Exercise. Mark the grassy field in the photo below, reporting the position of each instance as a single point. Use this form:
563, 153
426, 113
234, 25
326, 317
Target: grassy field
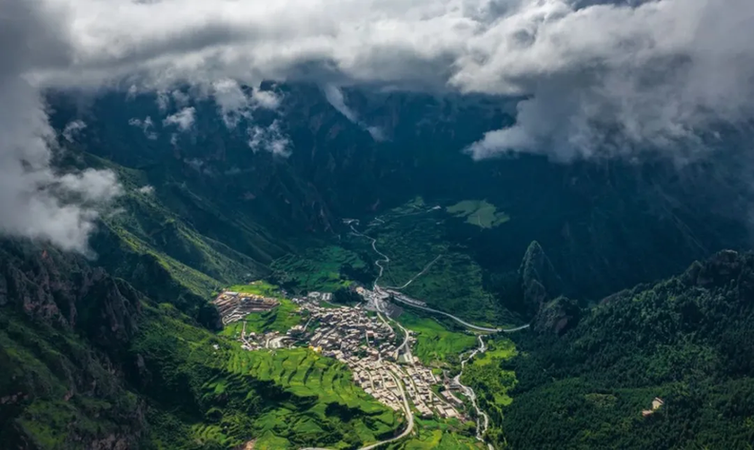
306, 374
197, 282
500, 349
442, 435
435, 344
488, 379
281, 318
220, 396
412, 238
321, 269
258, 287
479, 213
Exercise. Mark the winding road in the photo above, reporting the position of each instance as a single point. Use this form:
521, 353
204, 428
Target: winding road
409, 301
409, 417
483, 419
379, 262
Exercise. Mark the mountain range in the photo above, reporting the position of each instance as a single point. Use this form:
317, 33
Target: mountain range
118, 349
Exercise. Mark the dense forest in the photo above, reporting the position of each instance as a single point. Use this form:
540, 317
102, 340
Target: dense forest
120, 351
688, 341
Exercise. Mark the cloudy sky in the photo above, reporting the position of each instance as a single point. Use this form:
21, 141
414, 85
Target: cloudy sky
599, 79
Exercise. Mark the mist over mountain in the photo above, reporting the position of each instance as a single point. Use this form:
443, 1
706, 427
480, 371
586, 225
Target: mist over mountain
576, 170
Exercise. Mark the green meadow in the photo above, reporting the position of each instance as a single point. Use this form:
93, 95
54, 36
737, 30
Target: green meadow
412, 236
320, 269
259, 287
489, 379
479, 213
436, 344
434, 434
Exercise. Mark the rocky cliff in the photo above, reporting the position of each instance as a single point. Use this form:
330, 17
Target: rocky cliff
63, 339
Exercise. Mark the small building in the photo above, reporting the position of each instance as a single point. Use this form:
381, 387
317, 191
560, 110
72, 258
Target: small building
656, 404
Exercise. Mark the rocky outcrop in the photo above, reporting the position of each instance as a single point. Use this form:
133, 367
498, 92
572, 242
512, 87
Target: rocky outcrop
557, 316
64, 290
539, 281
65, 328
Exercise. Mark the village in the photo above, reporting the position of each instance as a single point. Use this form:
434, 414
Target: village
234, 306
363, 339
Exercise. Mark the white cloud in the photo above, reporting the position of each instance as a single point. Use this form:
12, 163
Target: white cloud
264, 99
183, 119
180, 99
37, 201
231, 100
145, 125
163, 101
72, 129
653, 73
334, 96
146, 190
378, 134
611, 80
234, 104
598, 80
270, 139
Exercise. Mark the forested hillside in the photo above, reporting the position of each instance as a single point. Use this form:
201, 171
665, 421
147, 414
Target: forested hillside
688, 340
221, 208
90, 362
117, 350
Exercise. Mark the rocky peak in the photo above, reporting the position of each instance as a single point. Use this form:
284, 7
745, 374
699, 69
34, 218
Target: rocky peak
540, 282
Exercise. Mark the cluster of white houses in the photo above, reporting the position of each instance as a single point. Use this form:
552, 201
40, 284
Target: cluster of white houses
364, 342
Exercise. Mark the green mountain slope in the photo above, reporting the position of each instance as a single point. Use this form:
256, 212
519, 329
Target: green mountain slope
606, 225
688, 340
119, 352
90, 362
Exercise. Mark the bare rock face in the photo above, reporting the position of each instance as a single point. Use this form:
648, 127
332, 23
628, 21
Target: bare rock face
557, 316
66, 328
539, 281
63, 290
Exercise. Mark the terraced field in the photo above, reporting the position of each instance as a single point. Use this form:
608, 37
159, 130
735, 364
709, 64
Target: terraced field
281, 318
216, 395
325, 386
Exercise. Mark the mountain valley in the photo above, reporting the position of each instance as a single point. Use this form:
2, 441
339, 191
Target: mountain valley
123, 348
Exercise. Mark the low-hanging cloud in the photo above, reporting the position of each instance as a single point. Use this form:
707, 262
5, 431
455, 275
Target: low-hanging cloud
146, 125
234, 104
611, 80
595, 78
38, 202
270, 139
72, 130
183, 119
334, 96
